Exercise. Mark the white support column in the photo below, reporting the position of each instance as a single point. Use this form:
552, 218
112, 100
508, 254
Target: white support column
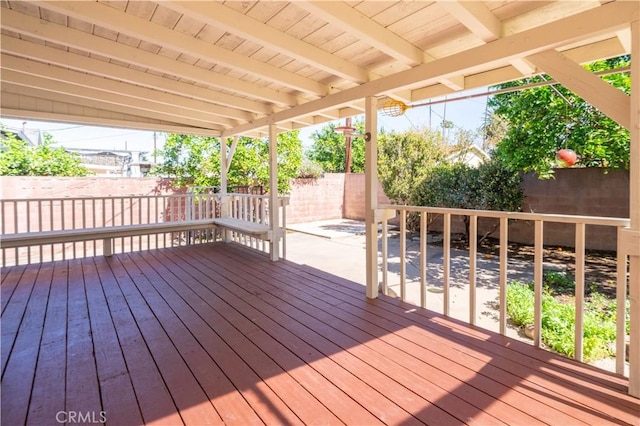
634, 212
224, 168
371, 194
274, 216
224, 199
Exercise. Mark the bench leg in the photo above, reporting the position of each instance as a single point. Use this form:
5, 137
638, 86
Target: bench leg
107, 247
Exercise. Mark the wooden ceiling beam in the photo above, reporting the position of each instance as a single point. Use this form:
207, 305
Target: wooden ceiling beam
476, 17
49, 31
607, 18
130, 94
237, 106
223, 17
115, 20
611, 101
354, 22
57, 96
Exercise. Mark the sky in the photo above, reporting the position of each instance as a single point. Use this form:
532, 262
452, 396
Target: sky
466, 114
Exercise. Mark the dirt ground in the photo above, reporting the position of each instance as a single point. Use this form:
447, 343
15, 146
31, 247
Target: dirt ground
600, 266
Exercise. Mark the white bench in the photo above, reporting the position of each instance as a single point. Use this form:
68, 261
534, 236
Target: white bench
107, 233
252, 229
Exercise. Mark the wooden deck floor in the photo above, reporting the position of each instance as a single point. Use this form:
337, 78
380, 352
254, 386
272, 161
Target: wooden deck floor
216, 334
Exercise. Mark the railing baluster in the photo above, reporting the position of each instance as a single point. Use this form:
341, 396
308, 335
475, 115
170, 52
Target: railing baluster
504, 252
473, 266
537, 280
446, 264
385, 254
621, 310
579, 301
423, 259
403, 255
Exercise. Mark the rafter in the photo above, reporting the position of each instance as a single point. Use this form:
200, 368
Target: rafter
56, 93
15, 21
115, 20
223, 17
482, 58
476, 17
367, 30
101, 118
129, 93
611, 101
85, 64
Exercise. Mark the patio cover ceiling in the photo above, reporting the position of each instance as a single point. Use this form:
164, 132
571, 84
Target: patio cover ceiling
227, 68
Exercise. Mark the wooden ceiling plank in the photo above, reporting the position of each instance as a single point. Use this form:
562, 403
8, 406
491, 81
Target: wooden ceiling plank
58, 96
476, 17
611, 101
342, 15
193, 108
130, 75
234, 22
131, 25
607, 18
93, 44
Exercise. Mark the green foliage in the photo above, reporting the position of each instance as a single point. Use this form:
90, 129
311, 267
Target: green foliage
404, 160
309, 169
195, 161
491, 186
18, 158
545, 119
329, 150
558, 320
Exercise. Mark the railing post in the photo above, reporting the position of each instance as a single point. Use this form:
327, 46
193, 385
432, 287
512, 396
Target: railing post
634, 212
371, 194
579, 301
274, 246
537, 280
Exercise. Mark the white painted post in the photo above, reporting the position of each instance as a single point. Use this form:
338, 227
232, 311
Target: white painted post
634, 211
225, 159
274, 245
371, 194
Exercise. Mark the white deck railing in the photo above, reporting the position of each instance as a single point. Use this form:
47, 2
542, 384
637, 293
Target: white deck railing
539, 220
253, 208
33, 216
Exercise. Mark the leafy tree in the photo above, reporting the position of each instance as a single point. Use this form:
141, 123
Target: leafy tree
545, 119
404, 159
195, 161
19, 158
328, 149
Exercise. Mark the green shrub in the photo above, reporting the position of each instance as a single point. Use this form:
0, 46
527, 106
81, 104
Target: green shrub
558, 321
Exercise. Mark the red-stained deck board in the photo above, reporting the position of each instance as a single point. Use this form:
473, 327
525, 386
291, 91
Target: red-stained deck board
292, 353
188, 396
20, 370
306, 314
48, 395
9, 283
194, 337
305, 406
116, 389
214, 334
82, 391
152, 395
595, 404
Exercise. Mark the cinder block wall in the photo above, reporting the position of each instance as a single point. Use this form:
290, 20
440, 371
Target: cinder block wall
316, 199
354, 196
579, 191
54, 187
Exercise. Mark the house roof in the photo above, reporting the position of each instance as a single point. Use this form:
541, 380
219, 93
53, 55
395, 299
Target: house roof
227, 68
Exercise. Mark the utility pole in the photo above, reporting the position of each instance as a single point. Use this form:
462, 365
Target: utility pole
347, 156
